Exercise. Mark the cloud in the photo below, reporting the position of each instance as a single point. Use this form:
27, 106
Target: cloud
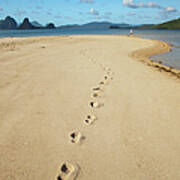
1, 9
94, 12
132, 4
154, 5
164, 12
169, 10
87, 1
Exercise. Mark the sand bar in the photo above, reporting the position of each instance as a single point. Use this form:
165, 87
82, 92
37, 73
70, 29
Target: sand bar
129, 130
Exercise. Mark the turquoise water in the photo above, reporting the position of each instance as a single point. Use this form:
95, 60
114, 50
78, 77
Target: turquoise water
170, 36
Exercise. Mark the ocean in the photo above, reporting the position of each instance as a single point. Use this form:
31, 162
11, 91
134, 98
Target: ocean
171, 36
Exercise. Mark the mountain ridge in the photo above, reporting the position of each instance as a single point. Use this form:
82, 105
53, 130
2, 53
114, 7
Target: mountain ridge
10, 23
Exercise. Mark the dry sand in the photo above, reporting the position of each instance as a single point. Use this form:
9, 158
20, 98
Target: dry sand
52, 111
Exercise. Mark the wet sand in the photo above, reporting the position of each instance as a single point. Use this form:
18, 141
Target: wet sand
86, 108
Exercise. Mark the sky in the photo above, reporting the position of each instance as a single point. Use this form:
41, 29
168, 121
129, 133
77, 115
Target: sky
62, 12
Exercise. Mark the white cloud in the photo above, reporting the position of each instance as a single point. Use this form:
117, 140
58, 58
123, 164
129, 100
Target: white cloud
129, 3
165, 12
154, 5
170, 10
94, 12
132, 4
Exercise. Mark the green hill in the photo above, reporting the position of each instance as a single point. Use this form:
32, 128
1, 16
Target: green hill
173, 24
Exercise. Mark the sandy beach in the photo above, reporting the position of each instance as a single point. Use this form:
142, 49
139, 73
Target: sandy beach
87, 108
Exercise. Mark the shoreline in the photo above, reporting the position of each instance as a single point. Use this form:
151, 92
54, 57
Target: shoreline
160, 47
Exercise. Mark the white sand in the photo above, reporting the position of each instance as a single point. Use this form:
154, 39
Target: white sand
45, 89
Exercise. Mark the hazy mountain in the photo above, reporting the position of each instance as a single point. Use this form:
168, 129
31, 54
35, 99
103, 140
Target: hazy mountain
26, 24
95, 25
36, 24
50, 26
70, 26
8, 23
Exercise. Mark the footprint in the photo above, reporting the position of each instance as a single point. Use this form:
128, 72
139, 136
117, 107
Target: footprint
110, 74
95, 104
105, 82
96, 88
95, 95
102, 83
77, 137
90, 119
105, 77
68, 171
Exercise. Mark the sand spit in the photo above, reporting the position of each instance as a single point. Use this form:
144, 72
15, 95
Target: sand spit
81, 108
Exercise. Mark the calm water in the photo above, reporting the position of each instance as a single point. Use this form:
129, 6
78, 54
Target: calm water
171, 36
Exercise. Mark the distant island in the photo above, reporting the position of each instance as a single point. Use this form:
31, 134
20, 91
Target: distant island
10, 23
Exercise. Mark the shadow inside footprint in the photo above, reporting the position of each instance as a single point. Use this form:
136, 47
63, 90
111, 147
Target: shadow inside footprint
102, 83
105, 77
95, 95
105, 82
90, 119
68, 171
93, 104
96, 89
76, 137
